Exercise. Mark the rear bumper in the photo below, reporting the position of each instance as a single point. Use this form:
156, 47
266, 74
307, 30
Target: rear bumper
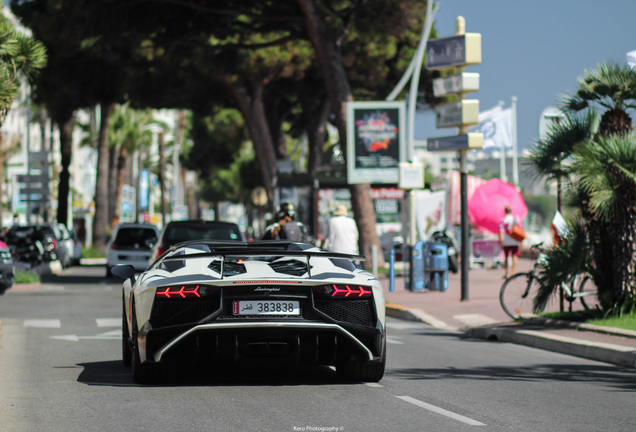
279, 341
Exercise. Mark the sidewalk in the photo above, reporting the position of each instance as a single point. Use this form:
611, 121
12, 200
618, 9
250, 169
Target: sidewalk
481, 316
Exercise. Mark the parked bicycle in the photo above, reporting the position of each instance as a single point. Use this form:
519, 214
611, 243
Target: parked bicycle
519, 290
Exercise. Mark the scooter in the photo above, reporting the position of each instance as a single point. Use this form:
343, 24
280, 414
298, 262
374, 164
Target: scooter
442, 237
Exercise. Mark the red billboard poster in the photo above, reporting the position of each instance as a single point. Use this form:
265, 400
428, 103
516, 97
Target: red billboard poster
376, 141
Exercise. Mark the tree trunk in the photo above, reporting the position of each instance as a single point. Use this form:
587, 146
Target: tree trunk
162, 177
100, 220
119, 186
250, 104
318, 113
337, 85
66, 124
112, 182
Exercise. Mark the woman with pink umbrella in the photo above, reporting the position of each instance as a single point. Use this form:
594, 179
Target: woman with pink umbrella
510, 246
493, 202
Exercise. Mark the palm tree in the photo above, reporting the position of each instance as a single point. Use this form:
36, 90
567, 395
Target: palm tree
550, 155
611, 86
605, 169
128, 134
601, 169
20, 55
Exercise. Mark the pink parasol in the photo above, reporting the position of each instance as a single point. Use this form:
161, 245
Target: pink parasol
486, 206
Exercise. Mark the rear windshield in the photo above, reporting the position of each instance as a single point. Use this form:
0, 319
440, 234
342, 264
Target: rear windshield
179, 234
131, 236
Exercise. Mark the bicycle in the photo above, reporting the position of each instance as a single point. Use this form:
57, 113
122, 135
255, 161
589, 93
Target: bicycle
518, 291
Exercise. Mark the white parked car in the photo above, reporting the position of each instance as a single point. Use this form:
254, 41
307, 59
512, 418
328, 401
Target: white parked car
131, 244
223, 303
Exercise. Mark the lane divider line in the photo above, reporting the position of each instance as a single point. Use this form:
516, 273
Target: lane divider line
441, 411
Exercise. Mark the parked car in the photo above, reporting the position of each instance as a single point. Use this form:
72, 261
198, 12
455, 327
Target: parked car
66, 242
227, 303
179, 231
131, 244
76, 256
7, 268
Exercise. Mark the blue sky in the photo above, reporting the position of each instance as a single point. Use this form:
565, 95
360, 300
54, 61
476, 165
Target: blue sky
535, 50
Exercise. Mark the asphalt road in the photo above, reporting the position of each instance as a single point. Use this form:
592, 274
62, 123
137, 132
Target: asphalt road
60, 370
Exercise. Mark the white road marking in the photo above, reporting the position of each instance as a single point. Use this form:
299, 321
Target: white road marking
111, 335
475, 319
403, 325
108, 322
394, 340
43, 323
441, 411
372, 384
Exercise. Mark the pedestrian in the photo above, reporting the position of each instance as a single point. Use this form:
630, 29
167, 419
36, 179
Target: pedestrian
510, 246
272, 231
342, 233
291, 230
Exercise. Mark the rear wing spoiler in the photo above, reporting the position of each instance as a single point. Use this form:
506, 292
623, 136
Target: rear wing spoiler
257, 248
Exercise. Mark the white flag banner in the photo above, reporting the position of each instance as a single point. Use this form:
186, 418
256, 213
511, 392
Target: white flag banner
496, 125
631, 59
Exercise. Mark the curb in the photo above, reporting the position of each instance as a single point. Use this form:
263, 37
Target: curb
607, 353
603, 352
412, 314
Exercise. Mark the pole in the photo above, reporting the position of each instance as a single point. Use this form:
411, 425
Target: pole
503, 175
515, 167
463, 169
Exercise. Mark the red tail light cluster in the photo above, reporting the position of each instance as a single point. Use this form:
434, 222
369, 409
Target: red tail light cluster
178, 292
340, 291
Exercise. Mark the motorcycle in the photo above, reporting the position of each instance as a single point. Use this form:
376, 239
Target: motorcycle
444, 238
30, 246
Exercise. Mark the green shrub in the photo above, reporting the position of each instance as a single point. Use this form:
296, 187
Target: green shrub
92, 253
26, 277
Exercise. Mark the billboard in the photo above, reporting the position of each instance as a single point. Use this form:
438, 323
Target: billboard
376, 141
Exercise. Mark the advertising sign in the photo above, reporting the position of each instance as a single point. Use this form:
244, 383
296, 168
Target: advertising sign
376, 141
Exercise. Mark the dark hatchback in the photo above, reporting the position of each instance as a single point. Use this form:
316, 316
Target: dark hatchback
179, 231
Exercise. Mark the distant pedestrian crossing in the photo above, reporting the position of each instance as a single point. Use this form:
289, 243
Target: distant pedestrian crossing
57, 323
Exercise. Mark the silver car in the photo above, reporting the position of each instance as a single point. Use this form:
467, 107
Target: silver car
131, 244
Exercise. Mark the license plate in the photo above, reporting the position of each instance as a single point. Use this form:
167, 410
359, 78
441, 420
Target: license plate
266, 307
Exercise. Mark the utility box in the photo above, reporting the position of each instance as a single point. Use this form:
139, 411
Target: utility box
429, 266
436, 266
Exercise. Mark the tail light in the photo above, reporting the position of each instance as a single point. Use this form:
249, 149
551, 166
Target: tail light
179, 292
114, 246
160, 251
345, 291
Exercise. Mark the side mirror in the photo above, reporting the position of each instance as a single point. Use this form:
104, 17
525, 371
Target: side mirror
124, 271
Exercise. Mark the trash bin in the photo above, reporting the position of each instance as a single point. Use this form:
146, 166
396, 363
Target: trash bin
417, 256
435, 266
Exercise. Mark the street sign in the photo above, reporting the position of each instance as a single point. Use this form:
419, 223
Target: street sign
453, 51
462, 113
457, 84
411, 176
456, 142
33, 178
38, 157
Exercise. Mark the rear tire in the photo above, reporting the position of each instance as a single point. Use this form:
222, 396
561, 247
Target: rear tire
143, 373
513, 298
365, 371
126, 349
